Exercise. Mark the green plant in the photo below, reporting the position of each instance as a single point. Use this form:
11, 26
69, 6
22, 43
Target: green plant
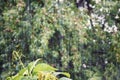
61, 35
39, 71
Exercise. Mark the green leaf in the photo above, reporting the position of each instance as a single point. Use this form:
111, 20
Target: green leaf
95, 78
30, 78
16, 77
43, 67
32, 65
89, 73
23, 72
20, 74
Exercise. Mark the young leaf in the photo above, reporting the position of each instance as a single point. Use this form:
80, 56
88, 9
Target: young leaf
43, 67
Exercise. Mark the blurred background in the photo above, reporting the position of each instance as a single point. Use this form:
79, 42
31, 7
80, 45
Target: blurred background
81, 37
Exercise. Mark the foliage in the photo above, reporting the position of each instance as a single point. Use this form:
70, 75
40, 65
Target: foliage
41, 71
83, 42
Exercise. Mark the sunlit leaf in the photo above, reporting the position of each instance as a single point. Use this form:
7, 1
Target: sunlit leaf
43, 67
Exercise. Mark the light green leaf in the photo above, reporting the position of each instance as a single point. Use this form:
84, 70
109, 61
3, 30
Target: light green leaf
43, 67
32, 65
19, 75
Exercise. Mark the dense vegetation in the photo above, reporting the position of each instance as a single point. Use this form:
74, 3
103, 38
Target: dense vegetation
72, 36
